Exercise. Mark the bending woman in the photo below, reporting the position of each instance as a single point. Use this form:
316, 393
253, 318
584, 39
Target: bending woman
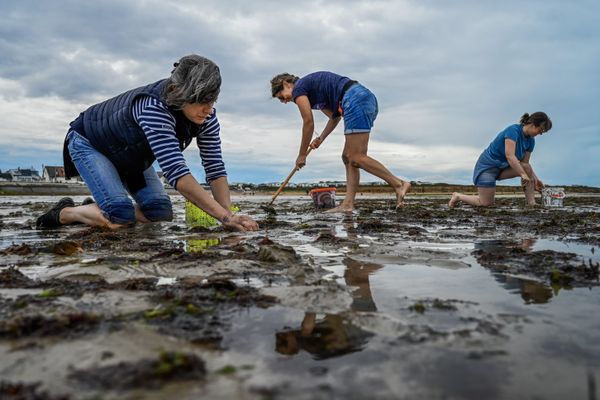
338, 96
508, 157
113, 144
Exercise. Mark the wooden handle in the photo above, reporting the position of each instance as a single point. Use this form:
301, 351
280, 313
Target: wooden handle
287, 180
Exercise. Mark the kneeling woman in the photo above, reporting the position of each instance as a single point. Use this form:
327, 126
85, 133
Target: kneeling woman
508, 157
113, 144
338, 96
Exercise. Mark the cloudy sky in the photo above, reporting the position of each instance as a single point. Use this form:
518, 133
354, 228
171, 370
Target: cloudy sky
448, 76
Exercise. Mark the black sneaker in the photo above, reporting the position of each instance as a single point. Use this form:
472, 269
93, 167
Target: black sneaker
87, 200
51, 218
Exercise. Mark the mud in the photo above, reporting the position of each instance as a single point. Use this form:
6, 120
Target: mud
20, 391
420, 302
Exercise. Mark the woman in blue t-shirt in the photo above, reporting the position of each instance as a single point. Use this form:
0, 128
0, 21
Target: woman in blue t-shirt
508, 157
338, 96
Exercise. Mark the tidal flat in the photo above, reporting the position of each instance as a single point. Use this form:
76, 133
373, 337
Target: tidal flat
425, 302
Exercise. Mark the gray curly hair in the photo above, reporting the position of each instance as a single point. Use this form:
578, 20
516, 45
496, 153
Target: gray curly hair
194, 79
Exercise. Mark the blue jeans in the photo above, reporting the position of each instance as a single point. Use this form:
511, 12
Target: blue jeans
360, 109
110, 192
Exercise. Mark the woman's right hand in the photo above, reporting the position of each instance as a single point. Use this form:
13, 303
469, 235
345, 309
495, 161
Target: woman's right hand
525, 179
300, 161
240, 223
539, 185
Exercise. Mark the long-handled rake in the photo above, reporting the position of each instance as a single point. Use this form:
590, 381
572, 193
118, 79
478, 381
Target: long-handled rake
284, 184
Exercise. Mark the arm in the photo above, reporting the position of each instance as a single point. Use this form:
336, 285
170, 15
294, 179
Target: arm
539, 185
308, 127
513, 161
209, 145
220, 191
331, 125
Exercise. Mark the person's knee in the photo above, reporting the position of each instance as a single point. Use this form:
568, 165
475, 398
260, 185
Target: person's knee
345, 158
486, 202
157, 209
355, 160
118, 211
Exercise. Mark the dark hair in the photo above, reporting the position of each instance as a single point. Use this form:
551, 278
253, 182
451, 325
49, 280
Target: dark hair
538, 118
194, 79
277, 82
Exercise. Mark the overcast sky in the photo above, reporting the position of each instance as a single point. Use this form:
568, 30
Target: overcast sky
448, 75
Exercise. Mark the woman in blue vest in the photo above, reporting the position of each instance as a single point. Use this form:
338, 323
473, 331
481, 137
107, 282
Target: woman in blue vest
338, 96
508, 157
112, 146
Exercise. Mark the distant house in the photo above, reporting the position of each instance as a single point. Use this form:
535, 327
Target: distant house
24, 175
53, 174
5, 176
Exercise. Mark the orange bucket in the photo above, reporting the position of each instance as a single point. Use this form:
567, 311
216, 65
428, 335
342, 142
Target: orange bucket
323, 197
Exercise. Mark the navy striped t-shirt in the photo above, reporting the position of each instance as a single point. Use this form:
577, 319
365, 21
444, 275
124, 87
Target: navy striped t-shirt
158, 124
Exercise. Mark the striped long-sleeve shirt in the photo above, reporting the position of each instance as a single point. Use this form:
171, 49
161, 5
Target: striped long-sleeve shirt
158, 124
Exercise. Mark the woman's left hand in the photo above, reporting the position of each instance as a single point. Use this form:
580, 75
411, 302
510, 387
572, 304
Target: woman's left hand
316, 143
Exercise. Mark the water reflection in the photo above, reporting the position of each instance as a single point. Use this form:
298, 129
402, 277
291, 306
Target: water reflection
199, 245
357, 275
531, 291
334, 334
349, 224
331, 336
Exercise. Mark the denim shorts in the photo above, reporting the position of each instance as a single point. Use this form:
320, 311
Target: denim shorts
360, 109
487, 178
110, 192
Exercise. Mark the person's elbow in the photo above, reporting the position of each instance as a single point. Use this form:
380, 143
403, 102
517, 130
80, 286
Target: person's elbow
181, 184
308, 123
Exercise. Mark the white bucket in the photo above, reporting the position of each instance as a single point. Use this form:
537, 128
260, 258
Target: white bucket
553, 196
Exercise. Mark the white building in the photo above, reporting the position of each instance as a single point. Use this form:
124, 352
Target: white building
24, 175
53, 174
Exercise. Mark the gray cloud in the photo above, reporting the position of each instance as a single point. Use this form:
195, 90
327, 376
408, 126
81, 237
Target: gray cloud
445, 73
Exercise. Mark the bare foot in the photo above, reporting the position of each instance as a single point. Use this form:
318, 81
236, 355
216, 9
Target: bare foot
401, 192
340, 209
453, 200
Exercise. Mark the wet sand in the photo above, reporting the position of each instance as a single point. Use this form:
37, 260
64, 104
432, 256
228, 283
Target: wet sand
427, 302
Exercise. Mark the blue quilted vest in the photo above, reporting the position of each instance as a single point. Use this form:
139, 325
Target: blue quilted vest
112, 130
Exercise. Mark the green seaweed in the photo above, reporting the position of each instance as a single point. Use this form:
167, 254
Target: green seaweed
418, 308
227, 370
50, 293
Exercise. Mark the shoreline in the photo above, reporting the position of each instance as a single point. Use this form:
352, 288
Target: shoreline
74, 189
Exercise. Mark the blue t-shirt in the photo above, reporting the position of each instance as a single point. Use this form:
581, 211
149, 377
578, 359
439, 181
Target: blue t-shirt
495, 155
323, 89
497, 151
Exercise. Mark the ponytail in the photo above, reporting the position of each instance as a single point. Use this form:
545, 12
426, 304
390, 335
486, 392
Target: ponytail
524, 119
